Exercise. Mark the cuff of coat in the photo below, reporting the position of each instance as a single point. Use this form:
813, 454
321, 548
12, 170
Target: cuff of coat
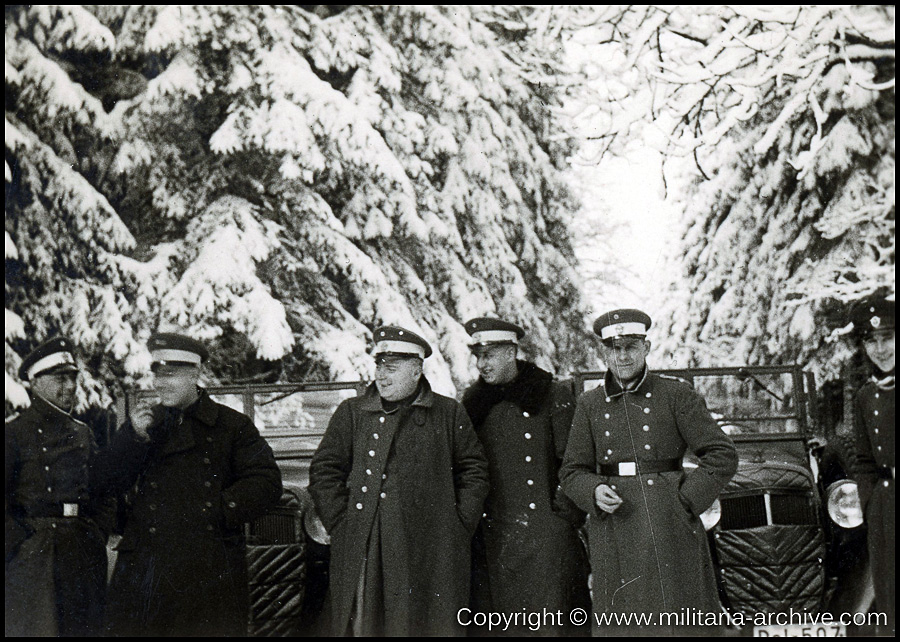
700, 489
580, 490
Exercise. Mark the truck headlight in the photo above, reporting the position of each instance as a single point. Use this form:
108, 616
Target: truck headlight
711, 516
842, 500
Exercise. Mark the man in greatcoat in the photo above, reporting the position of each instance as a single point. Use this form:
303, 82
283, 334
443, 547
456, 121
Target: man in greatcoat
56, 520
195, 471
527, 555
873, 323
399, 480
623, 465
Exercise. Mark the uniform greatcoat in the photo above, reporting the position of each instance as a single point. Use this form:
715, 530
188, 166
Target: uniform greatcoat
528, 554
55, 565
651, 555
400, 493
874, 469
181, 568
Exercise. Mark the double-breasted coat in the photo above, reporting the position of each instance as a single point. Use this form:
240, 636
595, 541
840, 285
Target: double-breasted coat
55, 564
874, 470
651, 555
528, 554
181, 568
400, 493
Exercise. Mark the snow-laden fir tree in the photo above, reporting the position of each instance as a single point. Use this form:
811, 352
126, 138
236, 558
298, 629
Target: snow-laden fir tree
787, 114
278, 181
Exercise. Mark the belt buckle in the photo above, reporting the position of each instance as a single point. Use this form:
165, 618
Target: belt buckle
70, 510
627, 469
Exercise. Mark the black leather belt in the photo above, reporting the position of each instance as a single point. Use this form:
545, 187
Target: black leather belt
631, 468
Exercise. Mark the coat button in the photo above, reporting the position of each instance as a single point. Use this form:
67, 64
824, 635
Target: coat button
368, 471
527, 457
608, 400
152, 529
206, 460
530, 482
40, 432
207, 484
53, 524
646, 428
525, 414
606, 433
381, 419
50, 490
527, 435
876, 413
887, 483
232, 505
375, 435
384, 476
649, 482
609, 452
876, 432
152, 506
364, 489
371, 453
359, 507
532, 506
383, 495
209, 504
646, 446
48, 467
648, 395
44, 449
646, 411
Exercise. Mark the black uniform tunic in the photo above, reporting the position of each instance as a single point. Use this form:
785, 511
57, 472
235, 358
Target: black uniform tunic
55, 564
874, 470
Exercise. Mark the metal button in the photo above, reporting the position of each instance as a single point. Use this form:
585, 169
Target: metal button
530, 482
646, 411
606, 433
384, 476
876, 413
876, 432
152, 529
48, 467
49, 490
609, 452
527, 435
206, 460
527, 457
359, 507
368, 471
646, 446
375, 435
209, 504
152, 506
40, 432
383, 495
606, 415
649, 482
207, 484
648, 395
646, 428
371, 453
613, 486
44, 449
364, 489
887, 483
532, 506
608, 400
525, 414
232, 505
53, 524
381, 419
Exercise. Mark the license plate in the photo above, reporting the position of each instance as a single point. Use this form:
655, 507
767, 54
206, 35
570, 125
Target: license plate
800, 631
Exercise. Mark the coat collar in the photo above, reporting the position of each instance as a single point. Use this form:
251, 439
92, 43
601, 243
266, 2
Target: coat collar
371, 400
181, 437
50, 411
613, 389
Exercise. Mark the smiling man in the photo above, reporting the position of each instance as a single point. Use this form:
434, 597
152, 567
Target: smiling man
649, 552
55, 549
527, 554
399, 480
196, 471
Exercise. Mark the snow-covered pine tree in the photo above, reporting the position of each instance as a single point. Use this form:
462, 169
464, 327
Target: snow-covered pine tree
280, 180
788, 113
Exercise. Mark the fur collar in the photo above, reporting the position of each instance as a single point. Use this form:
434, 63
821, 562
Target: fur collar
529, 390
